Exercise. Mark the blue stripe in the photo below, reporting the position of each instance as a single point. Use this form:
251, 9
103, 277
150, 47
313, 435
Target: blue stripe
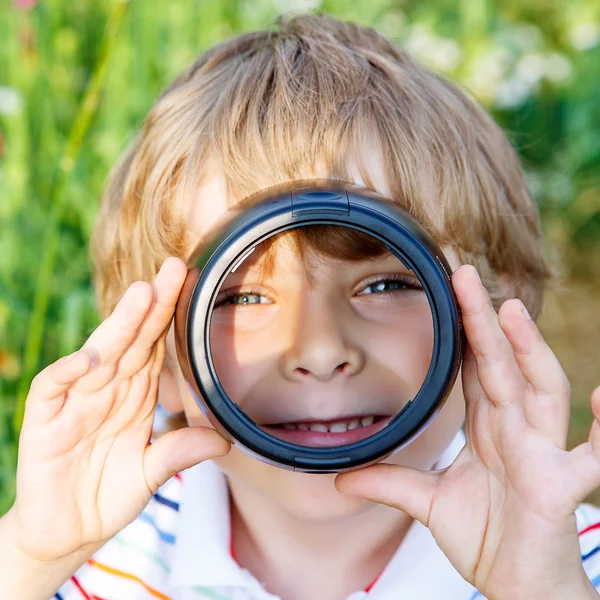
596, 581
162, 500
476, 594
590, 553
58, 596
166, 537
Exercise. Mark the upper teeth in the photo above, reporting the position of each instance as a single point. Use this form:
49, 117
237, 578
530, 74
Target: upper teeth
337, 427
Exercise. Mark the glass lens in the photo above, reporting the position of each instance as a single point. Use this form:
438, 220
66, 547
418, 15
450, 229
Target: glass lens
321, 335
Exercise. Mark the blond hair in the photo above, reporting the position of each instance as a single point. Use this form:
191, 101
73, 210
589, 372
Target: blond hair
304, 99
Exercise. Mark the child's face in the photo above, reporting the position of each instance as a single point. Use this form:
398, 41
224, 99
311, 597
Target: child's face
334, 350
315, 351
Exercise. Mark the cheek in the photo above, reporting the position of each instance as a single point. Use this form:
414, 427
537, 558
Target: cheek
396, 337
401, 342
242, 359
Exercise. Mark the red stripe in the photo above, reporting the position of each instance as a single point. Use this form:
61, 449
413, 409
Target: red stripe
178, 477
589, 528
231, 550
78, 586
368, 588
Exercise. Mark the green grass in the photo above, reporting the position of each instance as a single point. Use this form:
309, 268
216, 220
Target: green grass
77, 78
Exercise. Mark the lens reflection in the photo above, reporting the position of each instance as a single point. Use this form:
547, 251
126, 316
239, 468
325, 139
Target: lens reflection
321, 335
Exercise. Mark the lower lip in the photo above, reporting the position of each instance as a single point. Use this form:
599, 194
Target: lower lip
325, 439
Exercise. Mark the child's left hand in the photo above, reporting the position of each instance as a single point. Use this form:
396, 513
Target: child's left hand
503, 512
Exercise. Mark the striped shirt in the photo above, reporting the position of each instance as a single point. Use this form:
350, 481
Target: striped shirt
178, 548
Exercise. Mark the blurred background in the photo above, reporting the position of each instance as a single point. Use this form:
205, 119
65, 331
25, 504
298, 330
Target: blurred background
77, 78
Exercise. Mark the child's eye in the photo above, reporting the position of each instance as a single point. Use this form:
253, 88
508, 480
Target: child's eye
241, 298
389, 284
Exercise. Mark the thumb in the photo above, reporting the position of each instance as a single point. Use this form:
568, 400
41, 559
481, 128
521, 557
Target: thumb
179, 450
407, 489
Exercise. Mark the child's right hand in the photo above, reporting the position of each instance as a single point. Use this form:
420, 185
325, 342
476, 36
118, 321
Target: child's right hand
86, 467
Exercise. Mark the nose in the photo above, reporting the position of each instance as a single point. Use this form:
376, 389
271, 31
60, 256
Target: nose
319, 348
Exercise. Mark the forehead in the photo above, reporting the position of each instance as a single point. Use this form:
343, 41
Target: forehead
209, 204
212, 201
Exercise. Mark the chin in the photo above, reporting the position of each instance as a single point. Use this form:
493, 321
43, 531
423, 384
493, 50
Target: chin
305, 496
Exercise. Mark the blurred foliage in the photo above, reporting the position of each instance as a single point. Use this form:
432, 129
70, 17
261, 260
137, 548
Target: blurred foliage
77, 78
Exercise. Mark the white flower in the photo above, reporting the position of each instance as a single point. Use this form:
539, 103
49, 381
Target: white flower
11, 101
445, 54
525, 36
531, 68
512, 92
558, 67
584, 36
441, 53
487, 70
418, 40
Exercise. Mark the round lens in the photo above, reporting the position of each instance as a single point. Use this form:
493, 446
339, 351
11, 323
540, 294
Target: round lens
321, 335
317, 328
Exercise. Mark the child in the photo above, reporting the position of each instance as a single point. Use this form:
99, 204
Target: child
102, 513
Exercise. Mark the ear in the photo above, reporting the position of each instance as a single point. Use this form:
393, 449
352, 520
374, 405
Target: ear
169, 396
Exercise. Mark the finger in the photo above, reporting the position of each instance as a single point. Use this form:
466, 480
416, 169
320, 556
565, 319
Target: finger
409, 490
585, 458
475, 398
497, 370
179, 450
114, 335
136, 397
46, 393
548, 405
166, 288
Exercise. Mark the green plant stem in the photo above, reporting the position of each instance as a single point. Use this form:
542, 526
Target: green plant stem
81, 123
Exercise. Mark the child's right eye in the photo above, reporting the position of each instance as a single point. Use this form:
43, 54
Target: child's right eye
241, 298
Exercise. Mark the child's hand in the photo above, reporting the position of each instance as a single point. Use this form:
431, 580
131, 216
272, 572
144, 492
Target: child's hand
86, 468
503, 512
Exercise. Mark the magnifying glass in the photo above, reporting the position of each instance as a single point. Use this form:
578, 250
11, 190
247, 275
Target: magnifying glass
317, 328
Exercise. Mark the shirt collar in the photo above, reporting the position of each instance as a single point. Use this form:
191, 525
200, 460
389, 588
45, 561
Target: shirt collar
201, 553
202, 530
419, 568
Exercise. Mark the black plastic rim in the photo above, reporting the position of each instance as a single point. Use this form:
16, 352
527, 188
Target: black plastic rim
297, 204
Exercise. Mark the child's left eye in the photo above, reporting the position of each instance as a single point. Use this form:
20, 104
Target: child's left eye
389, 285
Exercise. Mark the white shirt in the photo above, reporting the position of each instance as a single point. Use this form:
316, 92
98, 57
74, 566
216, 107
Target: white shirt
179, 549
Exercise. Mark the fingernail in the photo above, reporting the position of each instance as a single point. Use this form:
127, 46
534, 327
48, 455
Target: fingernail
477, 273
525, 311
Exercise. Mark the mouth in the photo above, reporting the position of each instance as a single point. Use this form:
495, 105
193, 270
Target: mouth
325, 434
